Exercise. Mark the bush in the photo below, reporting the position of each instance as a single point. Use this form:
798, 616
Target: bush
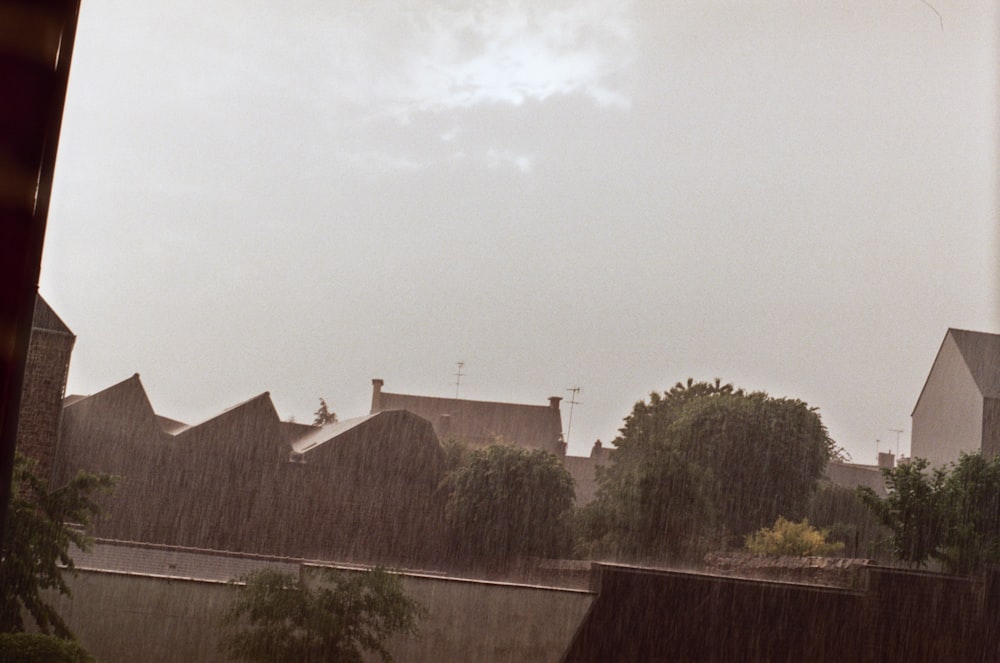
787, 538
278, 617
40, 648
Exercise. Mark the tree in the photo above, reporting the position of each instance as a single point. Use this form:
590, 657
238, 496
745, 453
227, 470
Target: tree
42, 524
792, 539
40, 648
323, 416
950, 514
704, 464
971, 505
279, 617
510, 501
912, 510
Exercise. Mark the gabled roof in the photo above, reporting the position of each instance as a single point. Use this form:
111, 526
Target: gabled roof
252, 424
124, 401
981, 352
480, 422
45, 318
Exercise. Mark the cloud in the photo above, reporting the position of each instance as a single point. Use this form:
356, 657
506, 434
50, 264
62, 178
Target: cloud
443, 58
496, 158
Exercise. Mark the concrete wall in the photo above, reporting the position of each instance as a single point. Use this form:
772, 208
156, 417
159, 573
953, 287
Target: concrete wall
851, 475
948, 417
124, 618
121, 617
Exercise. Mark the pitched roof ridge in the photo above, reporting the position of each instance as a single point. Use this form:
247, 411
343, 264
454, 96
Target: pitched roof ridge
118, 386
464, 400
264, 397
329, 432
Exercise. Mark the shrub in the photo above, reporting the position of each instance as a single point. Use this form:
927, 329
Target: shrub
792, 539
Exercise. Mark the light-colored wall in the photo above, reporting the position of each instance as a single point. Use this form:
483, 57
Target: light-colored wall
486, 622
124, 618
121, 617
851, 475
948, 417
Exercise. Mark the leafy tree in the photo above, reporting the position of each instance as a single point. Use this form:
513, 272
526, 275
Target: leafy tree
704, 464
971, 504
912, 510
323, 416
949, 514
42, 524
510, 501
40, 648
792, 539
279, 617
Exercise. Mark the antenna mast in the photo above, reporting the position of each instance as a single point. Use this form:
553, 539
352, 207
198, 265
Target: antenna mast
897, 431
458, 377
572, 402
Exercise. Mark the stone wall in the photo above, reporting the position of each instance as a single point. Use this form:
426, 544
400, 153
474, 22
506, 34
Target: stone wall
829, 571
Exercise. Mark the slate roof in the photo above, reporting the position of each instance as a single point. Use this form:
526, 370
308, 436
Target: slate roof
481, 422
981, 352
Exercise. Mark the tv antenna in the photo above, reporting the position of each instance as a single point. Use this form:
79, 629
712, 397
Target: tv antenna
897, 431
458, 377
572, 402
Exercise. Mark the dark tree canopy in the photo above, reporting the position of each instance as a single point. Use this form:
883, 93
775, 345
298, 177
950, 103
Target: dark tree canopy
280, 617
42, 526
704, 464
509, 501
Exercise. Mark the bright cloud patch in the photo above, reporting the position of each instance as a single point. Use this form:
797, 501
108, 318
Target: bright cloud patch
496, 158
471, 53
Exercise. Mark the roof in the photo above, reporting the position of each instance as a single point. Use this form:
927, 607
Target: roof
981, 352
45, 318
327, 433
126, 399
481, 422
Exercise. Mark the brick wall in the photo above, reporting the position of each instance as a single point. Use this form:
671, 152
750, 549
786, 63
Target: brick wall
41, 399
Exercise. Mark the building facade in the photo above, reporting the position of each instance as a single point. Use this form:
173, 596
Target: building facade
480, 423
958, 409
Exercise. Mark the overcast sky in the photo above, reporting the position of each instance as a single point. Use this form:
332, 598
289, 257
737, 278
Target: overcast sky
298, 197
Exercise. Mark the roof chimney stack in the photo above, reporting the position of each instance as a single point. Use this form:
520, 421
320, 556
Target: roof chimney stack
554, 402
376, 395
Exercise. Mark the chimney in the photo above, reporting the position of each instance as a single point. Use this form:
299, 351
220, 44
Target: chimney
554, 402
376, 395
886, 459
